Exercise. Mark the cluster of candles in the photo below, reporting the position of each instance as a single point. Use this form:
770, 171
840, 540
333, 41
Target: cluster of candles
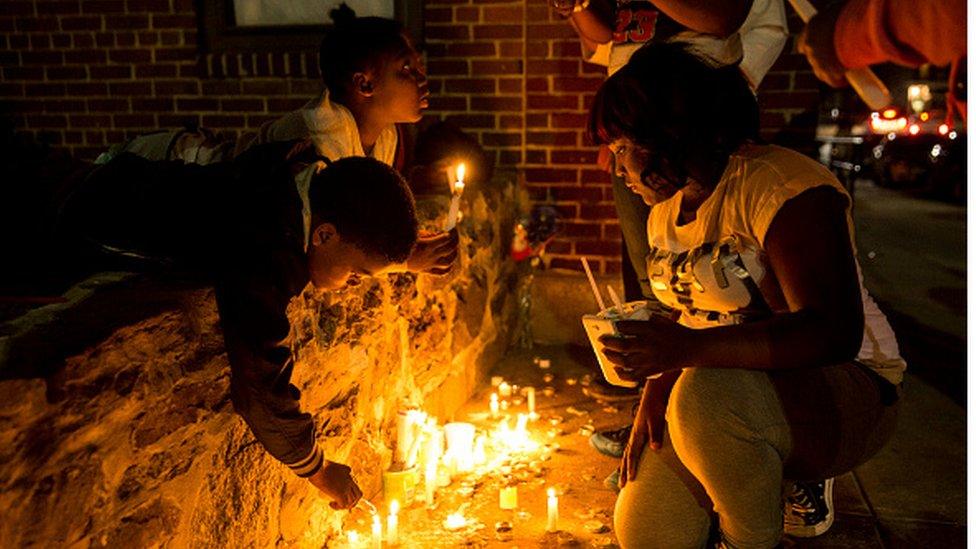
421, 446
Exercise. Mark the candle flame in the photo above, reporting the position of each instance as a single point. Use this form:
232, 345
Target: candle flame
394, 507
455, 521
353, 537
551, 492
460, 175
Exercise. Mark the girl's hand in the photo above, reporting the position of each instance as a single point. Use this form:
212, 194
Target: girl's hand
649, 424
646, 347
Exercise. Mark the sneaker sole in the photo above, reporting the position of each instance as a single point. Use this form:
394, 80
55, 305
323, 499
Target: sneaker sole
821, 527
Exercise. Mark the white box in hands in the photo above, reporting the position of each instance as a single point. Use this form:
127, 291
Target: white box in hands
603, 323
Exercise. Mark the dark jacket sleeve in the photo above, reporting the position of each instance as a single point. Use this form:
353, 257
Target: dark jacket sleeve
252, 307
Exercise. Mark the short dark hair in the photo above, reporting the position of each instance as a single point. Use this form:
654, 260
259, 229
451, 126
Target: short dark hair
357, 44
678, 107
370, 205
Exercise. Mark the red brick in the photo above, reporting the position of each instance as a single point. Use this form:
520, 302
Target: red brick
11, 90
448, 103
63, 105
484, 68
134, 121
247, 105
806, 81
490, 32
551, 138
45, 24
223, 121
147, 5
597, 247
47, 57
179, 120
79, 23
550, 175
170, 38
86, 88
611, 231
567, 120
566, 67
567, 48
535, 120
611, 266
103, 6
89, 120
777, 81
130, 56
472, 120
94, 137
559, 247
23, 73
177, 87
580, 230
111, 71
466, 15
47, 121
595, 176
173, 21
552, 30
40, 41
130, 88
175, 54
509, 85
576, 194
510, 49
537, 84
105, 39
536, 48
82, 40
501, 139
535, 157
447, 32
125, 39
552, 102
565, 263
507, 122
153, 104
438, 15
148, 38
18, 41
197, 104
470, 49
18, 7
496, 103
257, 120
572, 157
66, 73
126, 22
45, 90
85, 56
447, 66
503, 14
509, 158
73, 137
193, 70
476, 85
221, 87
595, 211
264, 87
155, 70
576, 84
108, 105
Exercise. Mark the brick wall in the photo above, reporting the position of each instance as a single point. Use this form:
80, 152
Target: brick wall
84, 74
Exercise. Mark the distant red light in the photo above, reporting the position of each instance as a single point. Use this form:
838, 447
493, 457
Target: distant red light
889, 113
914, 129
944, 129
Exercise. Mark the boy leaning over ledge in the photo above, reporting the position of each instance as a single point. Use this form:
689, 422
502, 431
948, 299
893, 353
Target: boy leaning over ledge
260, 227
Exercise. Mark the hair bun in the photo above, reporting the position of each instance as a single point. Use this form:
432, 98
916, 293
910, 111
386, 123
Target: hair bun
342, 15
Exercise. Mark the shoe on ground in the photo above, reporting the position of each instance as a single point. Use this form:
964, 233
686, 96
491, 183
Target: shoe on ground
601, 390
613, 480
611, 442
809, 509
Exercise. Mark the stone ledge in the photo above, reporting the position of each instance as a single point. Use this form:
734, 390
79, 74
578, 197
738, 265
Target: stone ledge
145, 448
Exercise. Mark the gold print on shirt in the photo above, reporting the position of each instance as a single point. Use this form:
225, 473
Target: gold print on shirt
710, 282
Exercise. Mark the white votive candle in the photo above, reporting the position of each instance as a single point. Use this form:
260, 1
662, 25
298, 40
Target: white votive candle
553, 511
393, 524
377, 541
493, 405
530, 399
458, 189
430, 481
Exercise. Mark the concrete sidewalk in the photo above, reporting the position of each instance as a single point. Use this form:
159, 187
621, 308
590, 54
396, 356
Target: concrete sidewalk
912, 494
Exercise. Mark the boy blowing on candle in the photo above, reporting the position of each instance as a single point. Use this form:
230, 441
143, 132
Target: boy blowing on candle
260, 227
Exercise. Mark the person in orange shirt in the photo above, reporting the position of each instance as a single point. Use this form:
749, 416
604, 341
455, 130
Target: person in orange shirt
859, 33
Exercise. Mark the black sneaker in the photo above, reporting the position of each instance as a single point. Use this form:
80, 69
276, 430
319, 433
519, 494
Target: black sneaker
809, 509
612, 442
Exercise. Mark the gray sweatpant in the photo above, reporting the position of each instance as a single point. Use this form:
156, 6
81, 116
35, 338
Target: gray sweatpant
734, 436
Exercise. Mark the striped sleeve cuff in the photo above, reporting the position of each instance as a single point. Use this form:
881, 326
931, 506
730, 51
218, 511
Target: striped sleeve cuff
307, 466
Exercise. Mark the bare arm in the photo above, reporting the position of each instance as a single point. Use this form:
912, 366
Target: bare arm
809, 250
721, 18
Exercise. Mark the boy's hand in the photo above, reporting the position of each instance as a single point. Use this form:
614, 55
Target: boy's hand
336, 482
434, 253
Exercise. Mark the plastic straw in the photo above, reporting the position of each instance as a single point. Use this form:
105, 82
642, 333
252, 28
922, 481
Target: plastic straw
596, 291
616, 300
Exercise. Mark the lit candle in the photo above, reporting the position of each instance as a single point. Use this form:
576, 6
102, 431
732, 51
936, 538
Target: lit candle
455, 521
505, 389
458, 188
460, 445
377, 532
430, 481
508, 498
493, 405
393, 523
530, 399
553, 508
353, 538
